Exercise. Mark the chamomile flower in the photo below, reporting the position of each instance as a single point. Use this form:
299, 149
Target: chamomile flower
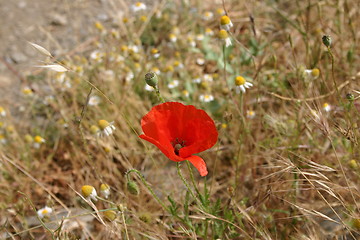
199, 37
178, 65
241, 84
250, 114
185, 93
106, 128
200, 61
312, 74
89, 192
207, 15
326, 107
220, 11
208, 78
224, 36
156, 70
173, 84
2, 139
225, 23
155, 53
38, 141
172, 37
191, 41
44, 212
129, 76
209, 32
97, 56
27, 91
105, 190
149, 88
197, 80
2, 112
133, 49
138, 6
94, 100
206, 98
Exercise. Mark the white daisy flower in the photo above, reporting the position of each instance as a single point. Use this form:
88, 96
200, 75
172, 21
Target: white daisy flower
44, 212
97, 55
197, 80
327, 107
173, 84
241, 84
312, 74
2, 139
185, 93
129, 76
156, 70
38, 141
105, 128
225, 23
250, 114
206, 98
133, 48
224, 36
89, 192
94, 100
209, 32
208, 78
200, 61
105, 190
172, 37
149, 88
207, 15
139, 6
2, 112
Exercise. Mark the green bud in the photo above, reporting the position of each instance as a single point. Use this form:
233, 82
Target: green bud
133, 188
151, 79
350, 97
326, 40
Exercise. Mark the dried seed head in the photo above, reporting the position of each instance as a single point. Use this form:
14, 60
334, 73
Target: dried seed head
326, 39
151, 79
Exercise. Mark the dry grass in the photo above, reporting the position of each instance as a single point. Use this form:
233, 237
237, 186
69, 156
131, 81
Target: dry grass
290, 172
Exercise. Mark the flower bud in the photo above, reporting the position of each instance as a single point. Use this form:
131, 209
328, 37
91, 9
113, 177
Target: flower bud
110, 215
350, 97
133, 188
326, 40
151, 79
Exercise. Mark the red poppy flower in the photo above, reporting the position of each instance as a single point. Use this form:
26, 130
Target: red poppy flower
180, 131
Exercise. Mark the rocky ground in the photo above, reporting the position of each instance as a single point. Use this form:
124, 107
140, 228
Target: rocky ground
58, 25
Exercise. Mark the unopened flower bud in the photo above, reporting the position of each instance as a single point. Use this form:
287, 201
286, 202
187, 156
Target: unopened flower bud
326, 40
350, 97
110, 215
151, 79
133, 188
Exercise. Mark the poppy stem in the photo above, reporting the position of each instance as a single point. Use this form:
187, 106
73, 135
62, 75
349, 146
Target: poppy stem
192, 178
161, 99
184, 180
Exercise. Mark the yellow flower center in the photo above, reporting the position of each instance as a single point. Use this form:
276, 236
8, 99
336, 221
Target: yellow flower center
224, 20
223, 34
45, 211
138, 4
326, 105
239, 80
27, 91
38, 139
87, 190
143, 18
94, 129
154, 51
315, 72
104, 187
103, 124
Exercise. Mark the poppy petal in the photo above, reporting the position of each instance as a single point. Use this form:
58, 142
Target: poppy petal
199, 164
164, 149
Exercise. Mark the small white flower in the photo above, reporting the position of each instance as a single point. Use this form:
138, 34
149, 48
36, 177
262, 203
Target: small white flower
149, 88
185, 93
241, 84
156, 70
105, 190
209, 32
2, 139
206, 98
172, 37
107, 75
44, 212
197, 80
38, 141
200, 61
2, 112
105, 128
327, 107
89, 192
225, 23
97, 55
139, 6
133, 48
94, 100
208, 78
129, 76
173, 84
207, 16
224, 36
199, 37
311, 74
250, 114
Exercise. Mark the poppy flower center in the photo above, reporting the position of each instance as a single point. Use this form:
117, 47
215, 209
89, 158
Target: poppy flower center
178, 144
